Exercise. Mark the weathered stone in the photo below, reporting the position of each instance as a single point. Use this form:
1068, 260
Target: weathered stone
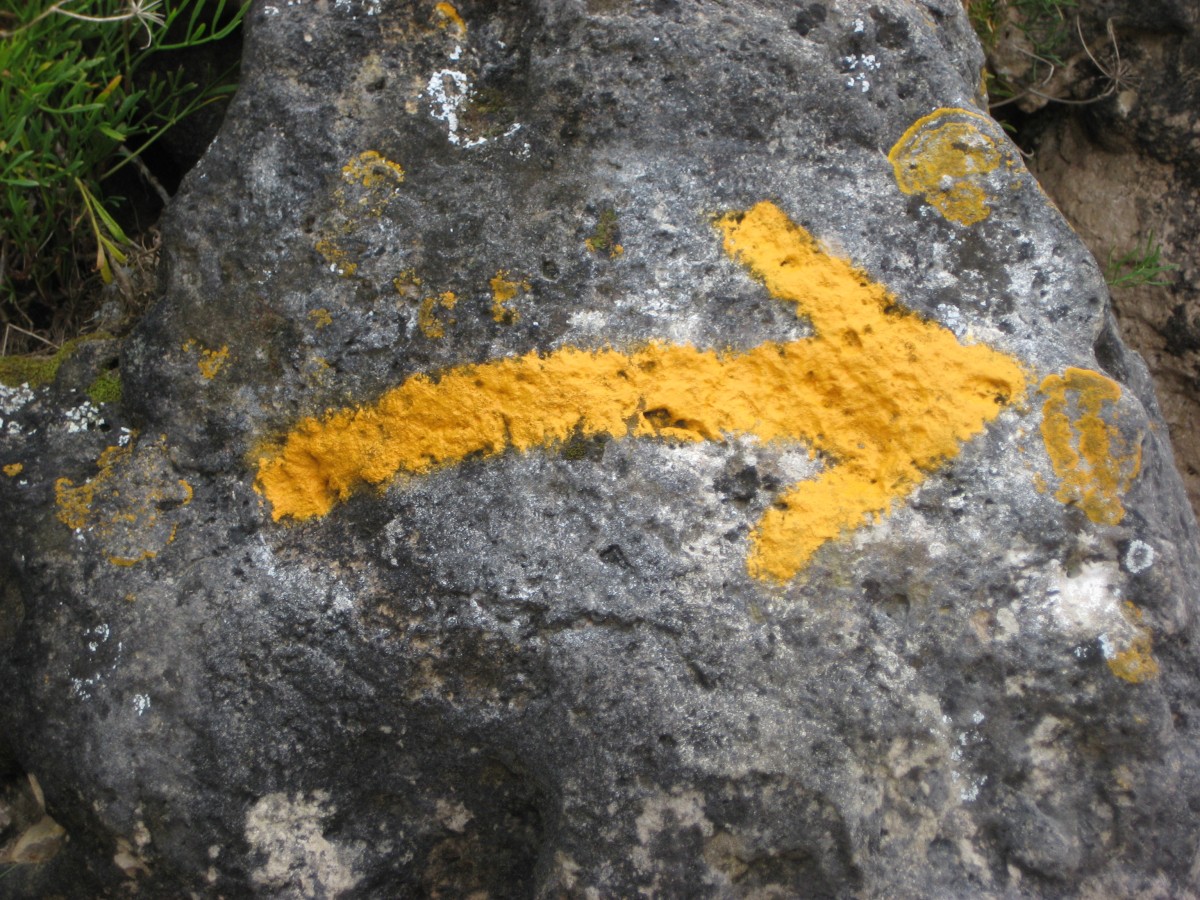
1125, 169
647, 545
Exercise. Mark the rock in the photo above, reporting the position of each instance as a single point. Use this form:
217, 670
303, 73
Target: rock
1125, 172
590, 449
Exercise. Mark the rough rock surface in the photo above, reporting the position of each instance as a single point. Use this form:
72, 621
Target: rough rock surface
1124, 167
892, 593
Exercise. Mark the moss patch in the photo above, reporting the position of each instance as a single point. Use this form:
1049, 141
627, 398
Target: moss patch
38, 370
606, 235
106, 388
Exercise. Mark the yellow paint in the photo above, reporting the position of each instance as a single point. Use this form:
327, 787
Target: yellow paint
1136, 663
885, 396
946, 158
431, 326
504, 291
1094, 461
370, 169
450, 16
320, 317
12, 470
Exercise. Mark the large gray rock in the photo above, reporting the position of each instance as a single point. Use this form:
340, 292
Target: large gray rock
892, 593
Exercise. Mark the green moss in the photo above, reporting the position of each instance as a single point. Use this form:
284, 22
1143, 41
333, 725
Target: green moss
606, 235
38, 371
106, 388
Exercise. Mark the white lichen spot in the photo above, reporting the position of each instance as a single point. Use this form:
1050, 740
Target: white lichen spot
84, 417
14, 399
1139, 557
141, 703
448, 90
300, 860
124, 437
859, 26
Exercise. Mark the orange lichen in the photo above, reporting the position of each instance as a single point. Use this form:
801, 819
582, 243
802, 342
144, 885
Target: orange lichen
450, 16
1136, 663
1094, 461
12, 470
210, 361
75, 503
882, 394
370, 170
946, 157
408, 284
431, 326
320, 317
504, 291
127, 506
128, 561
339, 259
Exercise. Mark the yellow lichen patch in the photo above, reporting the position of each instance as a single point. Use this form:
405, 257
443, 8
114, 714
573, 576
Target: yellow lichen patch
210, 362
320, 317
128, 561
449, 16
431, 326
1136, 663
883, 394
371, 170
129, 507
12, 470
408, 284
339, 260
946, 157
1093, 460
504, 291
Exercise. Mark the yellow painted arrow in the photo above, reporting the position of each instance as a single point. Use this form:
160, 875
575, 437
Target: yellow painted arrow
882, 394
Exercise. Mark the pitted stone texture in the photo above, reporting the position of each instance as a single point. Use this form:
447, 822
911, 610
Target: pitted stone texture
550, 673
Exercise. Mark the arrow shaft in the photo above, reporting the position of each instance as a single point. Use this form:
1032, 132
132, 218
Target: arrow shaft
884, 395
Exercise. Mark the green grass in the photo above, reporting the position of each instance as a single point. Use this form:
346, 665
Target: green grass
1142, 265
80, 100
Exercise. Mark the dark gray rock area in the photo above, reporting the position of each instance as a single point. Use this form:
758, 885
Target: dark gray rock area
559, 671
